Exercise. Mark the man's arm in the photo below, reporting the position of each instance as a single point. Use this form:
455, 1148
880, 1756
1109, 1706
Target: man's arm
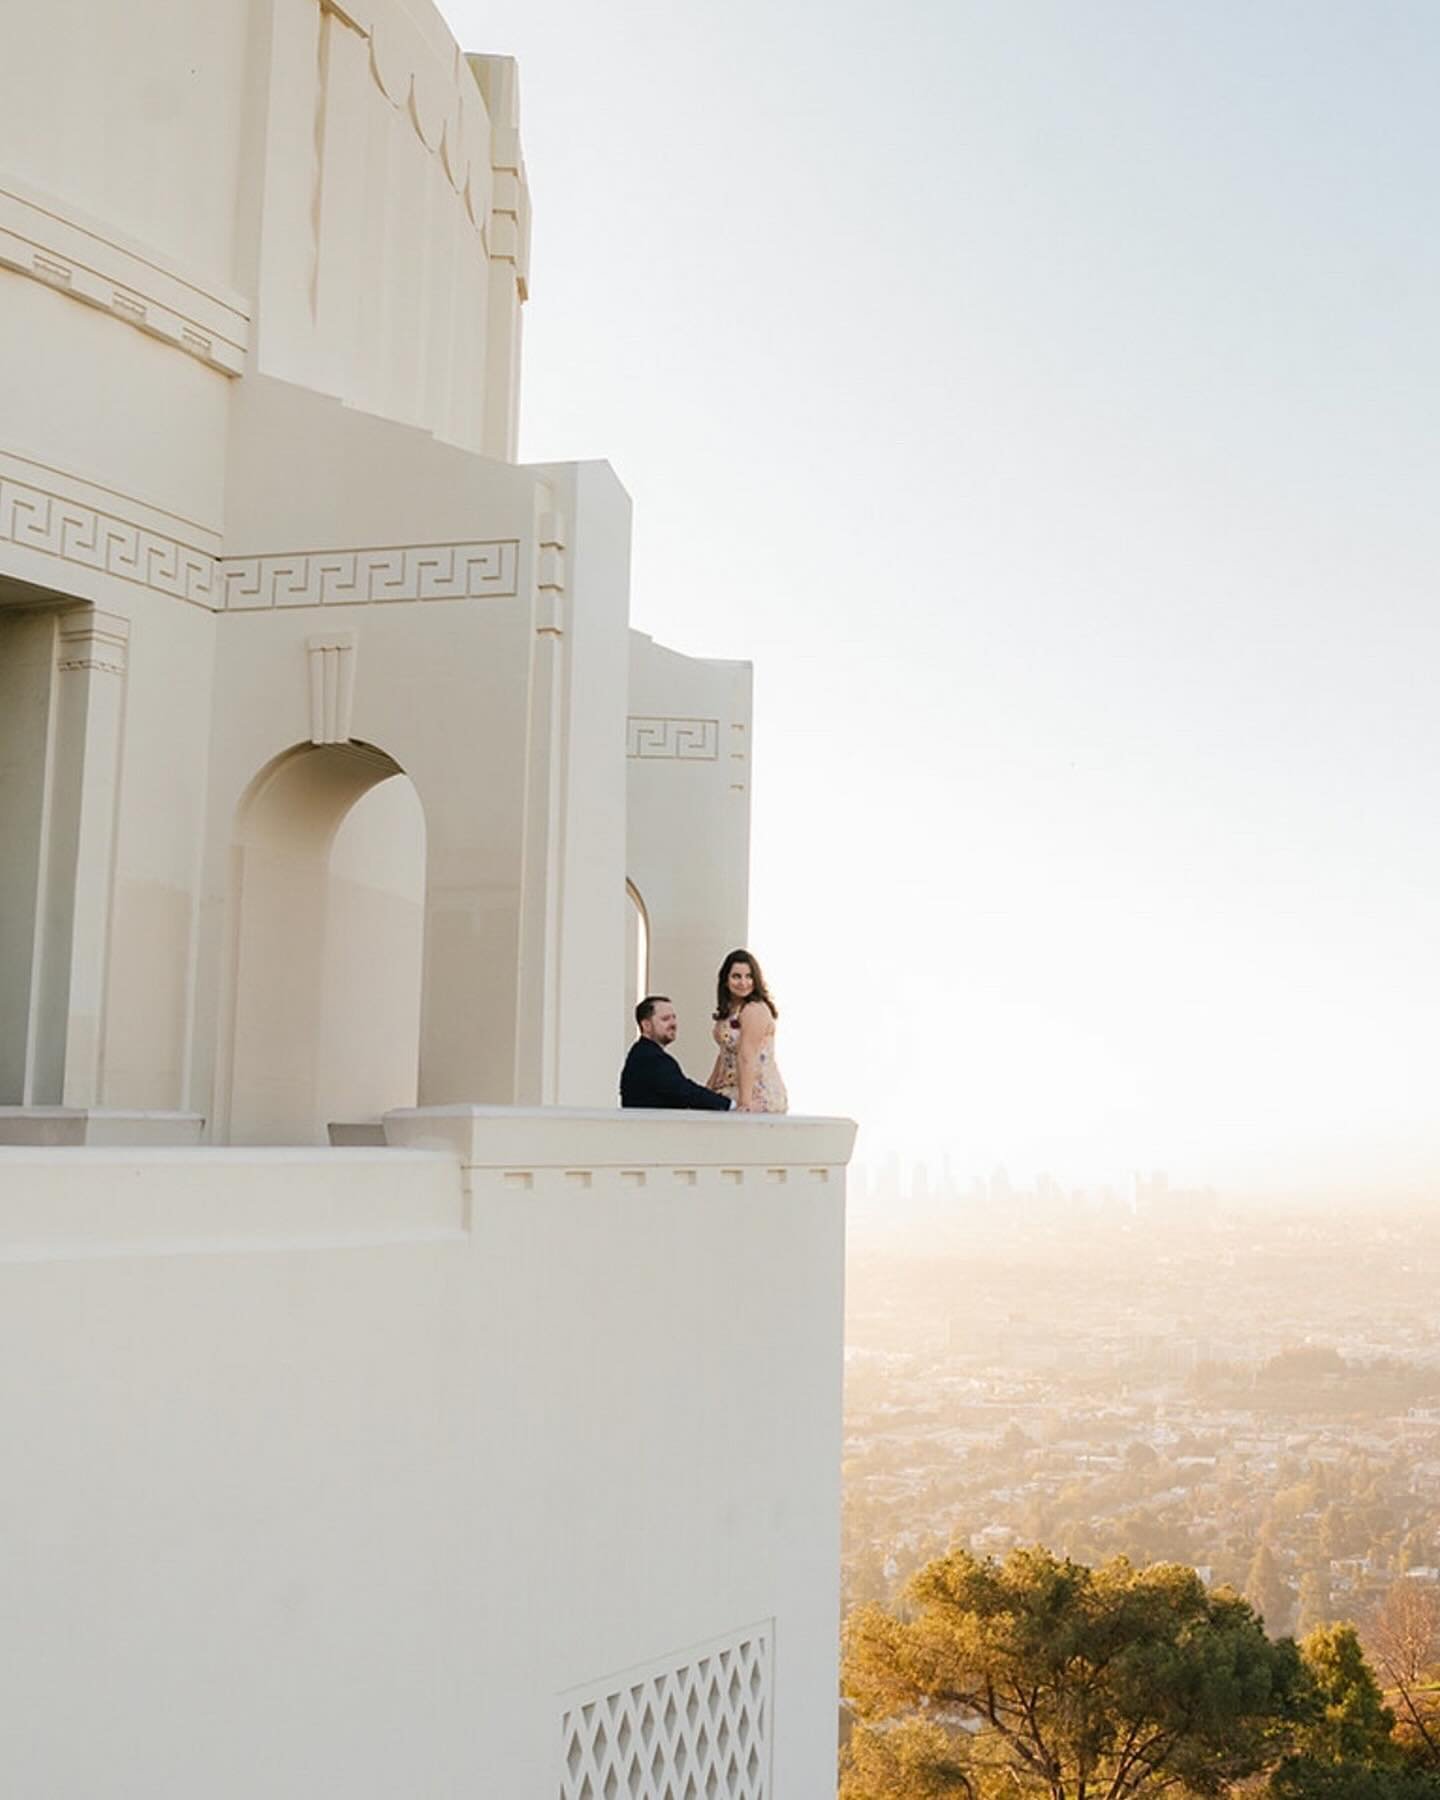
673, 1087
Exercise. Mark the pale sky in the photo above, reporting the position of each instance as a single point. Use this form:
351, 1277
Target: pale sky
1042, 395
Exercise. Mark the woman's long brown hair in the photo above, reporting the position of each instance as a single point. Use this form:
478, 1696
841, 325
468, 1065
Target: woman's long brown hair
723, 1001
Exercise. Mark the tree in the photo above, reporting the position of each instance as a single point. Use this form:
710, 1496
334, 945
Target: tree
1300, 1779
1013, 1445
1305, 1362
1312, 1608
1043, 1677
1337, 1534
1344, 1749
1405, 1641
1353, 1723
916, 1760
1266, 1591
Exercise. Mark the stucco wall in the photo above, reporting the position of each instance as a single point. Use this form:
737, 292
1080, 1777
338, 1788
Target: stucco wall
347, 1467
341, 1472
688, 832
134, 115
27, 659
335, 196
256, 328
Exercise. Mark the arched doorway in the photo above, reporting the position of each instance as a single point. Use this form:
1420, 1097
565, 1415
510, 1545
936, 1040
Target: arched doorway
328, 925
637, 947
637, 960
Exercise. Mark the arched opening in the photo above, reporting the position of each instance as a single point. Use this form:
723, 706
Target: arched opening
328, 945
374, 942
637, 948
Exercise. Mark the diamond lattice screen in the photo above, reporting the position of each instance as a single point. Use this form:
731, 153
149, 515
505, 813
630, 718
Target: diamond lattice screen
696, 1730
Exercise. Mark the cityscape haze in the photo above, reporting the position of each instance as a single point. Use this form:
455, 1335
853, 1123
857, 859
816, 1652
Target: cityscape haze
1043, 397
966, 527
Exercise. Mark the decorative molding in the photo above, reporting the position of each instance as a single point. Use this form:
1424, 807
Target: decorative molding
550, 575
332, 686
672, 740
508, 237
33, 519
91, 639
442, 100
693, 1727
478, 571
50, 524
44, 240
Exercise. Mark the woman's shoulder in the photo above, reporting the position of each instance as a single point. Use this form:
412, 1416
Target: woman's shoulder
756, 1013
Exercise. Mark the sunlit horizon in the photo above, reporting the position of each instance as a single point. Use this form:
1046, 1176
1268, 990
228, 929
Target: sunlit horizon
1042, 400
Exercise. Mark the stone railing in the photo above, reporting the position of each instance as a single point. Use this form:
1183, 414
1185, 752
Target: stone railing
564, 1150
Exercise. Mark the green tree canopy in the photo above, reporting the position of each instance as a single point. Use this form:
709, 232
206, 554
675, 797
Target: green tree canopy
1352, 1722
1266, 1590
1312, 1607
1300, 1778
1041, 1676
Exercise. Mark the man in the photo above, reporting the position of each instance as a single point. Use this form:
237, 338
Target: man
651, 1076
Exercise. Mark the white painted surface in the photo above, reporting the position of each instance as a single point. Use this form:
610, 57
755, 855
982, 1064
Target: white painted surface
260, 464
374, 947
347, 1468
689, 769
337, 1471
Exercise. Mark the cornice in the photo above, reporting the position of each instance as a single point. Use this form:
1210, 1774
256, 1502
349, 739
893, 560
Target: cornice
48, 240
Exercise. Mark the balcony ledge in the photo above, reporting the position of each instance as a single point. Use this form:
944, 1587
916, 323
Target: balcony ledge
555, 1137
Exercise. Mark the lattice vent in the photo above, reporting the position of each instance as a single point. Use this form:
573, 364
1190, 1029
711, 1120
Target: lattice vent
699, 1730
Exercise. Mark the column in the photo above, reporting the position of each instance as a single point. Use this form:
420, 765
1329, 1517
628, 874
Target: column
77, 874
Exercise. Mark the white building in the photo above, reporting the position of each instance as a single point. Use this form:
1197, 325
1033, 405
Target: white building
496, 1451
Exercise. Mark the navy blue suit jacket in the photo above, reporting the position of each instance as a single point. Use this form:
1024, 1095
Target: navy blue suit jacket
652, 1077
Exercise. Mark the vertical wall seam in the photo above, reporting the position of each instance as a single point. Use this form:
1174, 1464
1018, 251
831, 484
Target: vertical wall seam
112, 868
317, 191
42, 872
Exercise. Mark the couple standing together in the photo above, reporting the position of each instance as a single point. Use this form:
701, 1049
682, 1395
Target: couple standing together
744, 1077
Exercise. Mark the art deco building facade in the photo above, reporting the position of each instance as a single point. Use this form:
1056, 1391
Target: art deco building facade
389, 1415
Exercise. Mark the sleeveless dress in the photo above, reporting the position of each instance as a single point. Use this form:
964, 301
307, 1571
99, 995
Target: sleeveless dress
769, 1094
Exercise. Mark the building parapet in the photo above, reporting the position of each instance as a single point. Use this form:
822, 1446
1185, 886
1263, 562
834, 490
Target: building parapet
391, 1410
672, 1147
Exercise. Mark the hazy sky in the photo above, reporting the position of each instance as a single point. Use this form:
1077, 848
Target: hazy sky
1043, 395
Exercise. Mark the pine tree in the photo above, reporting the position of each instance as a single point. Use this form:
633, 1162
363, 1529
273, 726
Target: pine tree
1267, 1592
1354, 1724
1312, 1608
1041, 1677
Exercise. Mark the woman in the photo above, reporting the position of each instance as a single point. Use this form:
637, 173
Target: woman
744, 1029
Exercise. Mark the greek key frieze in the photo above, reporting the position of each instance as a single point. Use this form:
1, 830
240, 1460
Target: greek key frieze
33, 519
480, 571
673, 740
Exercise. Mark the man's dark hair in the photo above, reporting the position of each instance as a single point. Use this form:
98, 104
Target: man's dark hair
648, 1005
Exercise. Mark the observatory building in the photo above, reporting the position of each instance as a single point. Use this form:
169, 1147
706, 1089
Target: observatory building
388, 1415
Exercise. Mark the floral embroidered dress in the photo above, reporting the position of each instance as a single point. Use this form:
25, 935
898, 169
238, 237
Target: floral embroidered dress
769, 1093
